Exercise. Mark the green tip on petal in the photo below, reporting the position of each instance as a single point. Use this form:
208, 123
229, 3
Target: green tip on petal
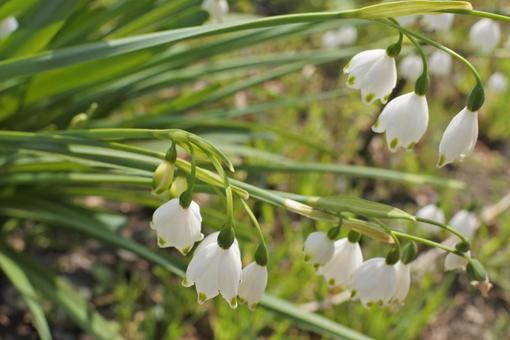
411, 146
186, 251
332, 282
307, 258
376, 124
394, 143
316, 266
185, 282
233, 302
241, 300
353, 293
201, 298
369, 97
351, 80
442, 160
386, 97
161, 242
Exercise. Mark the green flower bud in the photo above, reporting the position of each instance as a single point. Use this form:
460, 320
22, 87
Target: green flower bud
226, 237
409, 252
353, 236
163, 177
476, 271
476, 98
261, 255
462, 246
393, 256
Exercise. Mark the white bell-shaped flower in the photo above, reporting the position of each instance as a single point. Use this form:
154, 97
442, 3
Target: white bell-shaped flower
341, 37
411, 67
374, 281
8, 26
177, 226
431, 212
217, 9
466, 222
407, 20
253, 283
404, 281
459, 138
440, 63
374, 73
318, 248
497, 82
438, 22
346, 259
214, 270
485, 35
455, 262
404, 119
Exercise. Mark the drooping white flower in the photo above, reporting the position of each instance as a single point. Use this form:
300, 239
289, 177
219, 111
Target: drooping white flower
404, 119
497, 82
465, 222
318, 248
341, 37
253, 283
440, 63
407, 20
374, 73
217, 9
411, 67
485, 35
346, 259
177, 226
431, 212
459, 138
404, 281
438, 22
455, 262
374, 281
8, 26
214, 270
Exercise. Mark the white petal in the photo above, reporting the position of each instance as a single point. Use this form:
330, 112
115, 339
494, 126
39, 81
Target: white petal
453, 262
346, 259
359, 65
497, 82
230, 274
318, 248
379, 80
404, 281
459, 137
253, 283
404, 119
411, 67
438, 22
431, 212
374, 281
465, 222
8, 26
440, 63
485, 35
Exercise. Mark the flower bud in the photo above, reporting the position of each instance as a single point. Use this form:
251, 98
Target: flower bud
163, 177
409, 252
476, 271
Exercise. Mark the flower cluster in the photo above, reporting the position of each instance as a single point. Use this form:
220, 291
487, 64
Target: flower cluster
405, 118
340, 262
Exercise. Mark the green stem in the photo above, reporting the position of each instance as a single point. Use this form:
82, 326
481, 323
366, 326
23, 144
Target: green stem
444, 226
431, 244
255, 222
493, 16
437, 45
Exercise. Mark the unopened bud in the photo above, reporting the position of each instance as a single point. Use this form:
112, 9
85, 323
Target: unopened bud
163, 177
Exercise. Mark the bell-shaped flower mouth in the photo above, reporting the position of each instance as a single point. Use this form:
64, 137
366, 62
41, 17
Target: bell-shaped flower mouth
177, 226
253, 284
404, 120
374, 73
459, 138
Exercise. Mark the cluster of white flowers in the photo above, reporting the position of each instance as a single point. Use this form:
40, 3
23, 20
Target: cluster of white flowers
213, 269
405, 118
340, 262
216, 265
343, 36
464, 221
432, 22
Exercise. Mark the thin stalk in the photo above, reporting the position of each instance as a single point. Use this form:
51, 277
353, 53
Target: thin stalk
431, 42
254, 221
445, 227
431, 244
